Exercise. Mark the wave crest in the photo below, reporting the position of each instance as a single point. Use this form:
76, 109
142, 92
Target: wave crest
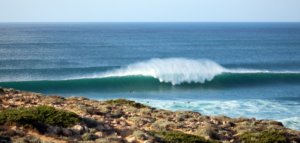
173, 70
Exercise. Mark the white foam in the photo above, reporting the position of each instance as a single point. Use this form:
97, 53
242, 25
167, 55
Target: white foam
180, 70
173, 70
261, 109
292, 122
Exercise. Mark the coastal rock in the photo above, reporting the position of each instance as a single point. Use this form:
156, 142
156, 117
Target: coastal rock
208, 132
67, 132
100, 127
116, 121
2, 92
100, 134
141, 135
131, 140
54, 130
79, 129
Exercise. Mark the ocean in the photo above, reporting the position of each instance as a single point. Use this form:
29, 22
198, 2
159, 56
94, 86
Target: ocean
232, 69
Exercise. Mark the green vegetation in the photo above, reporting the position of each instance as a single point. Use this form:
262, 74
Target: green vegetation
179, 137
88, 136
38, 117
125, 102
267, 136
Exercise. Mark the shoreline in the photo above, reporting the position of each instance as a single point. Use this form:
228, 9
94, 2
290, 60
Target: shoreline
123, 120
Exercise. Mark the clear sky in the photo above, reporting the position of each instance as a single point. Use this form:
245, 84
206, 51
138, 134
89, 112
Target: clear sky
149, 10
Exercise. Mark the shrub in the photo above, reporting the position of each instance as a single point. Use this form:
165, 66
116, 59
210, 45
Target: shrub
179, 137
267, 136
39, 116
141, 135
28, 139
88, 136
162, 125
126, 102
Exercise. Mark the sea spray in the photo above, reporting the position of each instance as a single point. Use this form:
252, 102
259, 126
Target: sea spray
183, 70
173, 70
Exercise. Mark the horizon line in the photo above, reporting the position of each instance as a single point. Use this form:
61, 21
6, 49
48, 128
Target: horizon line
149, 21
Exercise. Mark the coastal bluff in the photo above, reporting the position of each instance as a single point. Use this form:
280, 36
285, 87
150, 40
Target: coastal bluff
34, 118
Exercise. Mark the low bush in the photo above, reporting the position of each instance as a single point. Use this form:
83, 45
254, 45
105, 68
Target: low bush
267, 136
39, 116
126, 102
180, 137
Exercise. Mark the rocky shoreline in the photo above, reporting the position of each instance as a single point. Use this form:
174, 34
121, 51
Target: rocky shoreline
33, 117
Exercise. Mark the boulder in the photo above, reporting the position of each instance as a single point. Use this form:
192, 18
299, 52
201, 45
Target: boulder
54, 130
99, 134
2, 92
67, 132
78, 129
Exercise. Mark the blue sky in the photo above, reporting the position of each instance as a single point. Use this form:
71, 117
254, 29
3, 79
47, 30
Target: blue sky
149, 10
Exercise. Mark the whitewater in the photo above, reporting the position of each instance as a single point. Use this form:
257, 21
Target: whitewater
180, 70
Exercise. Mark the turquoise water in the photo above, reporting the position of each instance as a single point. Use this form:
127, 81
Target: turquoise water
233, 69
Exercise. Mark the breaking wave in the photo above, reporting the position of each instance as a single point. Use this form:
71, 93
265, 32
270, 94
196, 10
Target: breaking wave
181, 70
163, 74
173, 70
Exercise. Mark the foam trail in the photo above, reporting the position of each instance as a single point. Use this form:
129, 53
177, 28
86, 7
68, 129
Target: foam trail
249, 71
173, 70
